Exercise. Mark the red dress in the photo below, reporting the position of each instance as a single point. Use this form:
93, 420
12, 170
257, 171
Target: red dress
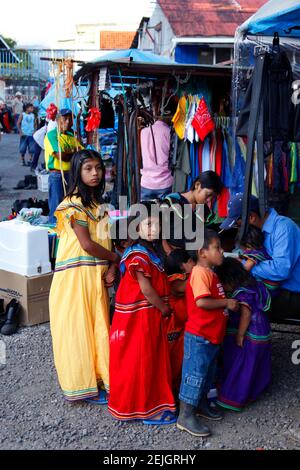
175, 330
140, 372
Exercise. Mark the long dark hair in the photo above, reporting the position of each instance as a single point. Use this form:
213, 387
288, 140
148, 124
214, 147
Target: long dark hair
233, 273
89, 196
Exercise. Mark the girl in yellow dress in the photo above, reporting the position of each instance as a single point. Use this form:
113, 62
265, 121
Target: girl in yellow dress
85, 266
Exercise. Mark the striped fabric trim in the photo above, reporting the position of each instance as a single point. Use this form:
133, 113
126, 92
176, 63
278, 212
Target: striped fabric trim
136, 306
80, 394
250, 336
232, 405
78, 262
177, 277
271, 285
142, 414
267, 305
64, 205
224, 405
81, 222
138, 249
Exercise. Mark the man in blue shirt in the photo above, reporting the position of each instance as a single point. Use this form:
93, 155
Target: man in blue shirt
282, 242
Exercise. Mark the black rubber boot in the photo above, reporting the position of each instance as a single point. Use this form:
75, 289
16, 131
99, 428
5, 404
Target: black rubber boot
11, 324
2, 313
205, 410
188, 421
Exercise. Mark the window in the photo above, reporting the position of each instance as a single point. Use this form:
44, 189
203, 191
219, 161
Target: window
223, 54
206, 56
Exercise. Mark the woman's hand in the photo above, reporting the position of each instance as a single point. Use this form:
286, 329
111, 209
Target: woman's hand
240, 340
110, 276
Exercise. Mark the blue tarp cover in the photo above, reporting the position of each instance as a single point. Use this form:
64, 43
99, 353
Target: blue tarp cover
136, 55
275, 16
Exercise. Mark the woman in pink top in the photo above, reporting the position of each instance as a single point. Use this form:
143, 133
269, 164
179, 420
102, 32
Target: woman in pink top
156, 178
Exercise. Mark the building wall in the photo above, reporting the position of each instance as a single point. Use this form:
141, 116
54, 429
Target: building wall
88, 35
161, 42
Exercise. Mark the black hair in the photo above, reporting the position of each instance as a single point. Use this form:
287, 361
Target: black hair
254, 238
209, 236
148, 210
209, 180
175, 260
255, 211
146, 213
27, 105
89, 196
233, 273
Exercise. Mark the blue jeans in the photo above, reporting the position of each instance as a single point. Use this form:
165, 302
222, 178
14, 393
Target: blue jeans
148, 194
56, 193
27, 142
36, 156
198, 369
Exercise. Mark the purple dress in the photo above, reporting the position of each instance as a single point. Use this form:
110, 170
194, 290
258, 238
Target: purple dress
247, 371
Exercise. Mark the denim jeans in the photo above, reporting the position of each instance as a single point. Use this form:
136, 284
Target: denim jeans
36, 156
56, 193
148, 194
27, 142
198, 369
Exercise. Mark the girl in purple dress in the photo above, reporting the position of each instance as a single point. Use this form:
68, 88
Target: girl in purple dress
247, 345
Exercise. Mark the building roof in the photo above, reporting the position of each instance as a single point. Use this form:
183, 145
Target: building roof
111, 40
208, 18
133, 64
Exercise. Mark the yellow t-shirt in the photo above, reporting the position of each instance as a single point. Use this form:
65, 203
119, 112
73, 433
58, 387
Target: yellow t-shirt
67, 142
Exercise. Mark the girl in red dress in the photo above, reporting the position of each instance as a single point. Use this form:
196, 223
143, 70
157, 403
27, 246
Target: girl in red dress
140, 372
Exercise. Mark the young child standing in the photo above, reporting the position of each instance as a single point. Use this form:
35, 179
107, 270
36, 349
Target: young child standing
140, 372
247, 344
204, 332
178, 266
26, 125
79, 305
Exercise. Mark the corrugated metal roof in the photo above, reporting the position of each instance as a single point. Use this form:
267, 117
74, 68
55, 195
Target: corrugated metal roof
208, 17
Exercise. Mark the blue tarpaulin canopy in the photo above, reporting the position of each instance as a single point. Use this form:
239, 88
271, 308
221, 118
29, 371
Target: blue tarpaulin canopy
134, 55
79, 93
282, 16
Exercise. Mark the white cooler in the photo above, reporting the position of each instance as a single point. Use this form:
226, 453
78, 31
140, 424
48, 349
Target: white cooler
24, 248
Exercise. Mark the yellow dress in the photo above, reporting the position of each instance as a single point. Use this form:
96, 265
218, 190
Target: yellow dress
79, 304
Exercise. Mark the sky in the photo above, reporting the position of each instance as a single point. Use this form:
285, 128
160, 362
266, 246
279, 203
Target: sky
36, 22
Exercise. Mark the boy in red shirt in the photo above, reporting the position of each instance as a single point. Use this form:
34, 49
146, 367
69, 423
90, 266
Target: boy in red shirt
204, 333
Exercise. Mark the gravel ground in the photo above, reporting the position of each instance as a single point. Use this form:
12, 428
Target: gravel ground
34, 415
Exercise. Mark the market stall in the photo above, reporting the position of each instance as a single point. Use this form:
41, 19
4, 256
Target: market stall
138, 88
266, 101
